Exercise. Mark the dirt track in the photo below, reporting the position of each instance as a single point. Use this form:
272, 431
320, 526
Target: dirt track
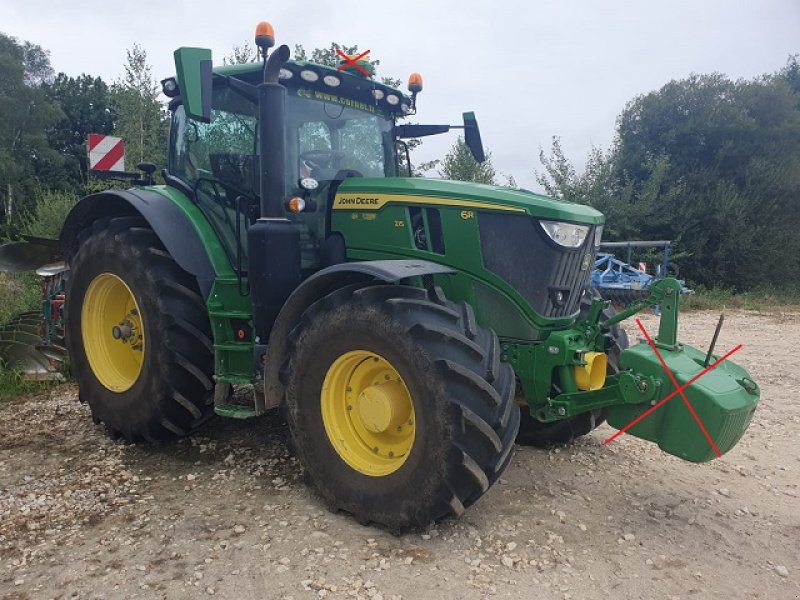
226, 513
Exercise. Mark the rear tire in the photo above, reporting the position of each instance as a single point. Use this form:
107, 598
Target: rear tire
465, 421
533, 432
170, 394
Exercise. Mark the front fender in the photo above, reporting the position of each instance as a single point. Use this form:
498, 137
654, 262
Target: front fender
315, 287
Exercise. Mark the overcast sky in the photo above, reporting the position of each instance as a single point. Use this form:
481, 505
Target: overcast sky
530, 70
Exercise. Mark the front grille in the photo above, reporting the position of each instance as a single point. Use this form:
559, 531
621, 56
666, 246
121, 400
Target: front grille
516, 248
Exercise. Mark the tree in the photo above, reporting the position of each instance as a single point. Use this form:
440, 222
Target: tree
86, 102
26, 114
459, 164
241, 55
711, 163
141, 119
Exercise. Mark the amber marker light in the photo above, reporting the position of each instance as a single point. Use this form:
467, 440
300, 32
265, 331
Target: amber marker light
415, 83
296, 204
265, 35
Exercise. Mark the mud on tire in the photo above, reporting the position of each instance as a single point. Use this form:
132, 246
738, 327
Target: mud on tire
172, 395
462, 395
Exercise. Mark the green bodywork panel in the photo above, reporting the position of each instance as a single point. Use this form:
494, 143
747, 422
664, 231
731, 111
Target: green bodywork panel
374, 217
536, 205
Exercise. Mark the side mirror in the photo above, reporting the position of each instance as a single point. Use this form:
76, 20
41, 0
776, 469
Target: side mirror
194, 74
472, 137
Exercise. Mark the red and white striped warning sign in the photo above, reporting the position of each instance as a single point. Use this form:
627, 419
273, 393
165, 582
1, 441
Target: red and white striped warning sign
106, 153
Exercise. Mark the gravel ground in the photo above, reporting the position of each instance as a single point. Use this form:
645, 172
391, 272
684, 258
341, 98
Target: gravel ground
226, 514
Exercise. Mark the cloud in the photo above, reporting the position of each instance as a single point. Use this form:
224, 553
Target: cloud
530, 70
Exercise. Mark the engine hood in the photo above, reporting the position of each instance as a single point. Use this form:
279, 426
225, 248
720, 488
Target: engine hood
379, 191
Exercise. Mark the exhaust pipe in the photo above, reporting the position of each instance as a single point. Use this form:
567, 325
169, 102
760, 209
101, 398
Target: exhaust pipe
273, 241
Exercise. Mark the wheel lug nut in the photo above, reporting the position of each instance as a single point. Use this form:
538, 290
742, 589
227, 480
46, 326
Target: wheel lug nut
349, 407
375, 449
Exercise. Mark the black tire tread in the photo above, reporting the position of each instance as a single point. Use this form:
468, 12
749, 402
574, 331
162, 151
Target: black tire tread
184, 382
463, 357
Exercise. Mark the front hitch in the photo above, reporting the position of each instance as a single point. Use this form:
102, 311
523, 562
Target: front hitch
699, 414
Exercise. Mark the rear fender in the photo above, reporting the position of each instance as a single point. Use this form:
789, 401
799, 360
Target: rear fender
167, 219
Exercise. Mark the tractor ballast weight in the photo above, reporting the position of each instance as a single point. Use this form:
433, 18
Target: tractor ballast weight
400, 322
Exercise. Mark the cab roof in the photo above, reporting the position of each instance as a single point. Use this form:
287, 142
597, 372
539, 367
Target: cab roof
350, 85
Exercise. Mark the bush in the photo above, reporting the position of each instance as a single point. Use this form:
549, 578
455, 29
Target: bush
19, 292
49, 214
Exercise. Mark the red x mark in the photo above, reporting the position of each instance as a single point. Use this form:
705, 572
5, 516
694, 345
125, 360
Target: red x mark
678, 390
348, 62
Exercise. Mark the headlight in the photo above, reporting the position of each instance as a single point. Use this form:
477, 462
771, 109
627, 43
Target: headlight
598, 236
569, 235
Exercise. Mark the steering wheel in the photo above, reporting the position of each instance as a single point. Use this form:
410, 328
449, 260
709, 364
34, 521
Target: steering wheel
322, 158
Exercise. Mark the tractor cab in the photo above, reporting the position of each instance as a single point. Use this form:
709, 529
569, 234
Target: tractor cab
337, 124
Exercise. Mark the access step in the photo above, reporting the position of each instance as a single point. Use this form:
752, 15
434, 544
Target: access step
233, 411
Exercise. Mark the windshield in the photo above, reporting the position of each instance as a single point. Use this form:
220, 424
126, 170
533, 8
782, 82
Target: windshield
326, 137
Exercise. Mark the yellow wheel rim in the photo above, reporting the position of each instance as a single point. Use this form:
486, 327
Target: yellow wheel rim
368, 413
112, 332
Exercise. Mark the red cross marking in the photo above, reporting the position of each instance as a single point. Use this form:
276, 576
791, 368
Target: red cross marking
348, 62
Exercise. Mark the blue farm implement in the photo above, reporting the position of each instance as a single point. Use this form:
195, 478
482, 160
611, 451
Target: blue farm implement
621, 281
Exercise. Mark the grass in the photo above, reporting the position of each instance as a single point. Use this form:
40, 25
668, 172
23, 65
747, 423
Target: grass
763, 299
19, 292
13, 385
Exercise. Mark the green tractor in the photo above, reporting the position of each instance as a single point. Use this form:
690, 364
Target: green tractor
411, 329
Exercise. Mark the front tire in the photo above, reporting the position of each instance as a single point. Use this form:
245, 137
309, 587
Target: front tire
398, 404
138, 334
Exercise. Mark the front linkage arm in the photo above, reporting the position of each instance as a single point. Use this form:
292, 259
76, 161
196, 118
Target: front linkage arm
564, 350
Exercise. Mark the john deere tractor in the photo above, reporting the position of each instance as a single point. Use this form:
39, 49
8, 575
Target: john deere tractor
411, 329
